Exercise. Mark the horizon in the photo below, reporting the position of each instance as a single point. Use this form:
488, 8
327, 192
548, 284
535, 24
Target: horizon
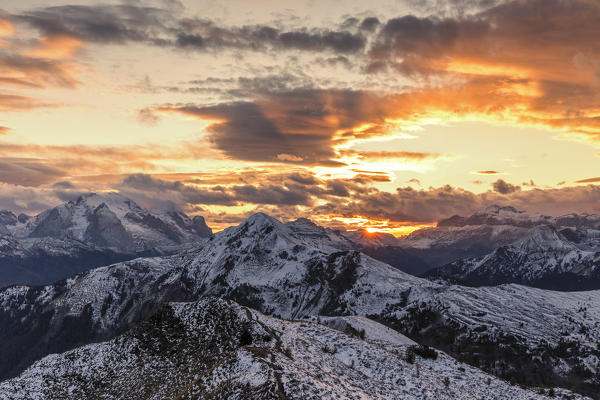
385, 117
358, 225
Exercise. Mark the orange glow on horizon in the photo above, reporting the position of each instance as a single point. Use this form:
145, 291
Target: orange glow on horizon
370, 225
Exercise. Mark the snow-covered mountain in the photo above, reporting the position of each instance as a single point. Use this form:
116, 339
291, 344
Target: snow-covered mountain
543, 258
459, 237
532, 336
95, 229
381, 246
214, 349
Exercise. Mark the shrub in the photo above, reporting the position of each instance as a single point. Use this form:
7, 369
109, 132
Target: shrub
425, 352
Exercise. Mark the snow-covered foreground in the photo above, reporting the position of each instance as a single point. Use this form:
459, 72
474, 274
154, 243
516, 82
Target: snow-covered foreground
217, 349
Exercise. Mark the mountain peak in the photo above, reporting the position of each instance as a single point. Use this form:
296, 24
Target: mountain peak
260, 219
544, 237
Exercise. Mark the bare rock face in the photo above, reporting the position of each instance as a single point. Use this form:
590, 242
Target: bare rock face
106, 230
200, 227
53, 223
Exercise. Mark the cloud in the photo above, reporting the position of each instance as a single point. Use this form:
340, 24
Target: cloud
6, 26
504, 187
408, 205
488, 172
396, 155
24, 71
204, 34
161, 27
100, 23
589, 180
4, 130
27, 172
243, 131
260, 191
12, 102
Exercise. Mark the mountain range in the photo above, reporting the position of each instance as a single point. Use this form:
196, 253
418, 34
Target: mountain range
93, 230
555, 253
525, 335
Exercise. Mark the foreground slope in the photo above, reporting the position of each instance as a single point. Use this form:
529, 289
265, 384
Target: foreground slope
217, 349
532, 336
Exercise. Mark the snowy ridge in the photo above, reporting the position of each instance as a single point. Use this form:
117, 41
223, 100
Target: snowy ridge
217, 349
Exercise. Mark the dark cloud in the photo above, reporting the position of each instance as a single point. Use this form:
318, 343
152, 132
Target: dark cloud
295, 127
504, 187
101, 23
189, 194
284, 191
204, 34
271, 194
151, 25
303, 179
246, 133
369, 24
27, 172
432, 204
488, 172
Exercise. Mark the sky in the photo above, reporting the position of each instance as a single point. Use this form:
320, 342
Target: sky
380, 115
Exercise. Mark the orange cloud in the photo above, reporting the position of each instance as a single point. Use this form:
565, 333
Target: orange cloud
56, 47
6, 27
589, 180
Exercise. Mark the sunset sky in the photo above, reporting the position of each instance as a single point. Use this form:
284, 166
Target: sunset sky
386, 115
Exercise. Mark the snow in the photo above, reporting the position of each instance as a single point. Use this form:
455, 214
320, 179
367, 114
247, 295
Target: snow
308, 359
267, 263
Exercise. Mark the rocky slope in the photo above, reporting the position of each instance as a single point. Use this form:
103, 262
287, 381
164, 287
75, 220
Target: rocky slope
532, 336
95, 229
217, 349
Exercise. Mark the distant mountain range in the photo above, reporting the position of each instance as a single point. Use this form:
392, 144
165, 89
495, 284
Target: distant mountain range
94, 230
555, 253
525, 335
494, 246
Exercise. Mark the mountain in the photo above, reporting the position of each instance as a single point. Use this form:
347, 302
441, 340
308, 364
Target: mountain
458, 238
215, 349
381, 246
95, 229
543, 258
531, 336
